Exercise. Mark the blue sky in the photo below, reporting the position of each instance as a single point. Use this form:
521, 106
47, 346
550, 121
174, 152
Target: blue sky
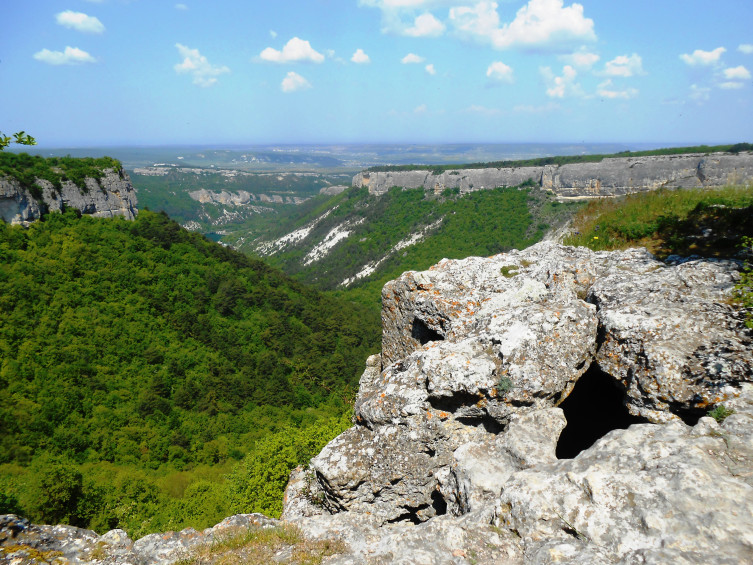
149, 72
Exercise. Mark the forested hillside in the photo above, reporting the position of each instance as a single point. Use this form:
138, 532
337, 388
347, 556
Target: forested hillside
140, 361
382, 236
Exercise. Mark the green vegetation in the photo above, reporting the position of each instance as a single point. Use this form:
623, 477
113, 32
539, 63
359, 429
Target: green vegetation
705, 222
454, 226
259, 547
140, 363
26, 169
566, 159
20, 137
720, 413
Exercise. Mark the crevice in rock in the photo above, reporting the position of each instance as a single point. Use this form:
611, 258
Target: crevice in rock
438, 503
459, 399
487, 422
410, 515
595, 407
423, 333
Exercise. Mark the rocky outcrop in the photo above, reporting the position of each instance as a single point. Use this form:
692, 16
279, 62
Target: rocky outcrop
611, 177
464, 417
112, 195
23, 543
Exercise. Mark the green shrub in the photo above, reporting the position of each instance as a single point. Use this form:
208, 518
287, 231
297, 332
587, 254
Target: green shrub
720, 413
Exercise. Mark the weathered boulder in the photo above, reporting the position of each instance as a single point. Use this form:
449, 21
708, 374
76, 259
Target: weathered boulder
459, 415
112, 195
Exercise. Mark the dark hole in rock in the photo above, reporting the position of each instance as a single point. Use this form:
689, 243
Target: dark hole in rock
594, 408
423, 333
439, 503
464, 406
411, 515
487, 422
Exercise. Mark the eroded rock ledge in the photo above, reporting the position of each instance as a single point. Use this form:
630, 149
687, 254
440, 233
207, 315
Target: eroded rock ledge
112, 195
458, 422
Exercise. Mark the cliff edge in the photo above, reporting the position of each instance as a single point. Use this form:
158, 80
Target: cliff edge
613, 176
106, 197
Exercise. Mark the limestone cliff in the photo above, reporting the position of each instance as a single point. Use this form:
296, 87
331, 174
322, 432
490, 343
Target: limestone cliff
111, 195
610, 177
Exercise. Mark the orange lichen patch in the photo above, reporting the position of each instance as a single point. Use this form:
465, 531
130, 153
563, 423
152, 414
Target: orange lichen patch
428, 416
444, 415
382, 395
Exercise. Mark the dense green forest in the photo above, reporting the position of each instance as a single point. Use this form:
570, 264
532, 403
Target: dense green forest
566, 159
480, 223
141, 363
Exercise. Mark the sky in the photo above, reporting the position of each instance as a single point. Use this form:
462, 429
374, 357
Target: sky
231, 72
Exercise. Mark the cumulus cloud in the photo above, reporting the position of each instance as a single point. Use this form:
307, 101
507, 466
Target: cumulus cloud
412, 58
731, 85
194, 63
425, 25
80, 22
293, 82
606, 90
746, 48
561, 86
430, 69
624, 66
295, 50
181, 7
703, 58
360, 58
581, 59
71, 56
737, 73
540, 23
499, 72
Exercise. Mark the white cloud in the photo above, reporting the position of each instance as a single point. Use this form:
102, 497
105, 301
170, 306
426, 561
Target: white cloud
606, 90
272, 33
80, 22
482, 110
71, 56
181, 7
731, 85
703, 58
295, 50
425, 25
737, 73
562, 86
412, 58
540, 23
746, 48
530, 109
420, 109
194, 63
699, 93
500, 72
581, 59
624, 66
360, 58
430, 69
293, 82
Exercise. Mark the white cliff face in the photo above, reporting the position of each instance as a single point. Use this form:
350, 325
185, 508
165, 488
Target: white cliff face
611, 177
112, 195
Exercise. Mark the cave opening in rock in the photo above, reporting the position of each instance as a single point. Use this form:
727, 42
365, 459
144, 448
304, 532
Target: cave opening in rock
423, 333
438, 503
595, 407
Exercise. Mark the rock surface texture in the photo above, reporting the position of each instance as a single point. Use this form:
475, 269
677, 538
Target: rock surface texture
611, 177
455, 455
463, 452
112, 195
